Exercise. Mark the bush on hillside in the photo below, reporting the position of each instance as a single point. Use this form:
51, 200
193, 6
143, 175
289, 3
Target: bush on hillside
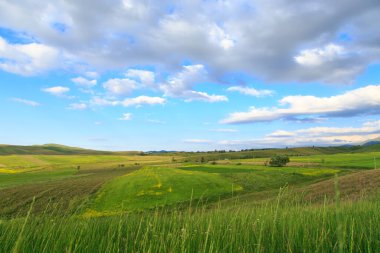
278, 160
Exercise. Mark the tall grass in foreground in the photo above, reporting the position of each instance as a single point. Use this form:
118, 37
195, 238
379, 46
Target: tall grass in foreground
278, 226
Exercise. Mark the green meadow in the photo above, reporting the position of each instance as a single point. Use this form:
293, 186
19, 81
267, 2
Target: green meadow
191, 202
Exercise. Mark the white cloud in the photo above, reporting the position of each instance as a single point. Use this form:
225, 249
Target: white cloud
91, 74
251, 91
181, 85
318, 56
126, 116
227, 36
198, 141
143, 100
99, 101
83, 82
219, 37
27, 59
318, 136
281, 133
146, 78
136, 101
361, 101
57, 90
119, 87
78, 106
203, 96
26, 102
184, 81
326, 135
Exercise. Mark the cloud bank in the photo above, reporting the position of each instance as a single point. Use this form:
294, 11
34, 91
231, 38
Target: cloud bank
261, 38
361, 101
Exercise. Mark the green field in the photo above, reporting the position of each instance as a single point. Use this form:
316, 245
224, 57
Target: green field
174, 202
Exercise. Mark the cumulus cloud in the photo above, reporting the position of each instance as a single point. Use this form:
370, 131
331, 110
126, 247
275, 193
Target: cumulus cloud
318, 56
26, 102
145, 77
327, 135
27, 59
203, 96
100, 101
184, 80
198, 141
57, 90
136, 101
143, 100
318, 136
119, 87
219, 37
181, 85
83, 82
361, 101
226, 36
251, 91
91, 74
126, 116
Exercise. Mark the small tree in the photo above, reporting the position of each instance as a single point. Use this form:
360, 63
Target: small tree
278, 160
202, 159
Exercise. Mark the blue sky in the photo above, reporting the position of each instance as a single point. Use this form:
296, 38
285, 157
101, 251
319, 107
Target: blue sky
189, 75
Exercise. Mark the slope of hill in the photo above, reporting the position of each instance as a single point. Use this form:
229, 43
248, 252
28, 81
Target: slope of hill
56, 149
264, 153
371, 142
352, 186
47, 149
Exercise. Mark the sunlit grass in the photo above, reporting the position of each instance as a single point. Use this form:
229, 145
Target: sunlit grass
282, 225
153, 186
172, 207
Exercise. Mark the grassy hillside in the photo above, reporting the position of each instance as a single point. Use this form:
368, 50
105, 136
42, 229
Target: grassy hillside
157, 187
277, 226
326, 201
56, 149
47, 149
266, 153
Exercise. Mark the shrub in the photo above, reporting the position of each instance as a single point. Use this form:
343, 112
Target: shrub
278, 160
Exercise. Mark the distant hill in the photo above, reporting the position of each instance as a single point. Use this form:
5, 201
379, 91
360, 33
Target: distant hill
371, 142
48, 149
56, 149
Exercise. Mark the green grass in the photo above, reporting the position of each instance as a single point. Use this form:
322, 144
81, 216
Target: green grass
15, 179
358, 160
59, 196
260, 178
38, 161
153, 186
277, 226
47, 149
167, 206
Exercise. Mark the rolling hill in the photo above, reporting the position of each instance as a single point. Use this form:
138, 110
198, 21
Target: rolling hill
56, 149
371, 142
47, 149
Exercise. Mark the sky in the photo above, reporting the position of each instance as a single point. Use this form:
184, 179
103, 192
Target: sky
189, 74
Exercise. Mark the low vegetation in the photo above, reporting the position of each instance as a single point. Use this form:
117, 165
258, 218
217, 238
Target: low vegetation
278, 160
192, 202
